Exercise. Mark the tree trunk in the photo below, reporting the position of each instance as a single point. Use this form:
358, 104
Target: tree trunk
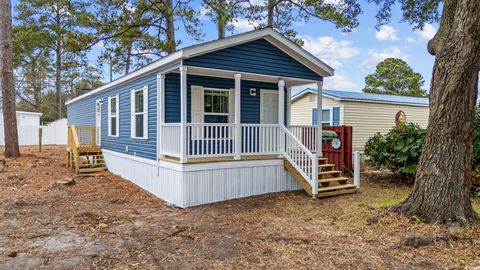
270, 11
170, 26
58, 80
221, 10
441, 193
8, 91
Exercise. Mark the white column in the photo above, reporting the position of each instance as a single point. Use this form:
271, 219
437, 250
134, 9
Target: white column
281, 114
238, 128
183, 114
160, 111
281, 102
289, 106
319, 118
356, 169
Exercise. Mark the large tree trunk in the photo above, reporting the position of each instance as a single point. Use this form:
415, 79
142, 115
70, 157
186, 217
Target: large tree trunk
270, 11
441, 193
8, 91
170, 26
221, 18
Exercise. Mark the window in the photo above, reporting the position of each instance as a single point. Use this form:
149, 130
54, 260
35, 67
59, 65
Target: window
216, 105
113, 116
139, 113
312, 98
327, 117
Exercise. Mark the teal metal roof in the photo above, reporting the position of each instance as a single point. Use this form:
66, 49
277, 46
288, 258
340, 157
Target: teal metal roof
367, 97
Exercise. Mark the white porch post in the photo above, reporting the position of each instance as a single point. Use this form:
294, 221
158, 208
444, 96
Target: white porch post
281, 102
289, 105
160, 111
183, 114
319, 118
238, 128
281, 112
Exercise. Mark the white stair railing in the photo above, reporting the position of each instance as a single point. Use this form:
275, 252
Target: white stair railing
301, 158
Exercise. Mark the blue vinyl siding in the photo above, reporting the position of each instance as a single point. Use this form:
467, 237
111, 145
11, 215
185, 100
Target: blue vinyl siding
82, 112
250, 105
258, 56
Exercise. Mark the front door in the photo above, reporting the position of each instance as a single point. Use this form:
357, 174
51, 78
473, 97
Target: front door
269, 107
98, 121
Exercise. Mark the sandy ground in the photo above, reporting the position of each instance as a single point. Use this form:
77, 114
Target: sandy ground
106, 222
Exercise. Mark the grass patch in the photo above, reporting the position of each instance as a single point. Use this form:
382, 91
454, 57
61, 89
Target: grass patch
383, 201
476, 206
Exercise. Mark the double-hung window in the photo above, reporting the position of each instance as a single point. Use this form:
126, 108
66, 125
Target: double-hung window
215, 103
139, 113
113, 116
327, 117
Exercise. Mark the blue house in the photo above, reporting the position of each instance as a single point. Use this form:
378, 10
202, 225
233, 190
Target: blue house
209, 122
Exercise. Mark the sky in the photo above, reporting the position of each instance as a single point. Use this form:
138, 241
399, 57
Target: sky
353, 55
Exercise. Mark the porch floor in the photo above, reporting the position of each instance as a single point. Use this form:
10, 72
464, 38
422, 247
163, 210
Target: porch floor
220, 159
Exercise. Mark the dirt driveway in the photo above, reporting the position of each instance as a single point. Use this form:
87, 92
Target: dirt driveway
105, 222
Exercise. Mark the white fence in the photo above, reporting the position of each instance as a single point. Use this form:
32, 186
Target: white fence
28, 135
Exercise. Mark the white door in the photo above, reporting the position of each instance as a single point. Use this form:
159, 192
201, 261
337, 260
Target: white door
269, 107
98, 121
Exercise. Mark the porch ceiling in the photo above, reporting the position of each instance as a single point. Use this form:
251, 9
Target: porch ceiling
246, 76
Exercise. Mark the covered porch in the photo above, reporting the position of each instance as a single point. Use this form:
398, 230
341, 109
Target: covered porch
227, 115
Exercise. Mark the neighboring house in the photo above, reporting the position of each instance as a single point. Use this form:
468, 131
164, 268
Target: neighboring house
366, 113
207, 122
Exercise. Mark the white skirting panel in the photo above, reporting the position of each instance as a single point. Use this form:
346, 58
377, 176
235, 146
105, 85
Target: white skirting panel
166, 184
195, 184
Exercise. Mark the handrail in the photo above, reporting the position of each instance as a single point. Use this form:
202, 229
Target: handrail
76, 143
300, 157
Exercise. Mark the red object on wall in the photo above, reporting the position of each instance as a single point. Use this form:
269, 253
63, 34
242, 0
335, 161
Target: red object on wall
341, 157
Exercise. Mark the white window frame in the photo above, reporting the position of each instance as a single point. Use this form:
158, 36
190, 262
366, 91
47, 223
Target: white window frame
330, 121
117, 115
133, 114
228, 101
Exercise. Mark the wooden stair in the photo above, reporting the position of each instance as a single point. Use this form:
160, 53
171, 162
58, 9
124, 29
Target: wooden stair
85, 157
331, 182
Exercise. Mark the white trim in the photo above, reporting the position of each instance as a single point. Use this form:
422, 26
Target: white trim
320, 119
237, 115
289, 106
262, 91
281, 102
272, 36
200, 166
133, 114
117, 116
98, 117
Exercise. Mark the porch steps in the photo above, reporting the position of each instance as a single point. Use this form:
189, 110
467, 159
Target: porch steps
331, 182
88, 162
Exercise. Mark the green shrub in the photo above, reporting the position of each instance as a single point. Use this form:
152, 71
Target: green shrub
328, 135
398, 151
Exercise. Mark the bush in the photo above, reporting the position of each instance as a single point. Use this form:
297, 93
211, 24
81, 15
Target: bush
398, 151
328, 135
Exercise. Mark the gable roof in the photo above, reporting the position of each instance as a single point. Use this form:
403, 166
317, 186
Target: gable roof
365, 97
267, 33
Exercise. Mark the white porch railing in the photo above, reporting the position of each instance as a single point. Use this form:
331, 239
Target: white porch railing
301, 158
170, 139
305, 134
260, 139
210, 140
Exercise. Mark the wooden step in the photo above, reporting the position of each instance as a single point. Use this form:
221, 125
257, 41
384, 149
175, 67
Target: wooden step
329, 172
336, 192
336, 187
322, 160
333, 179
89, 170
323, 166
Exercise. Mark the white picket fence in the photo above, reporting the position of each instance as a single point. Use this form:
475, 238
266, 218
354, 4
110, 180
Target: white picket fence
28, 135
